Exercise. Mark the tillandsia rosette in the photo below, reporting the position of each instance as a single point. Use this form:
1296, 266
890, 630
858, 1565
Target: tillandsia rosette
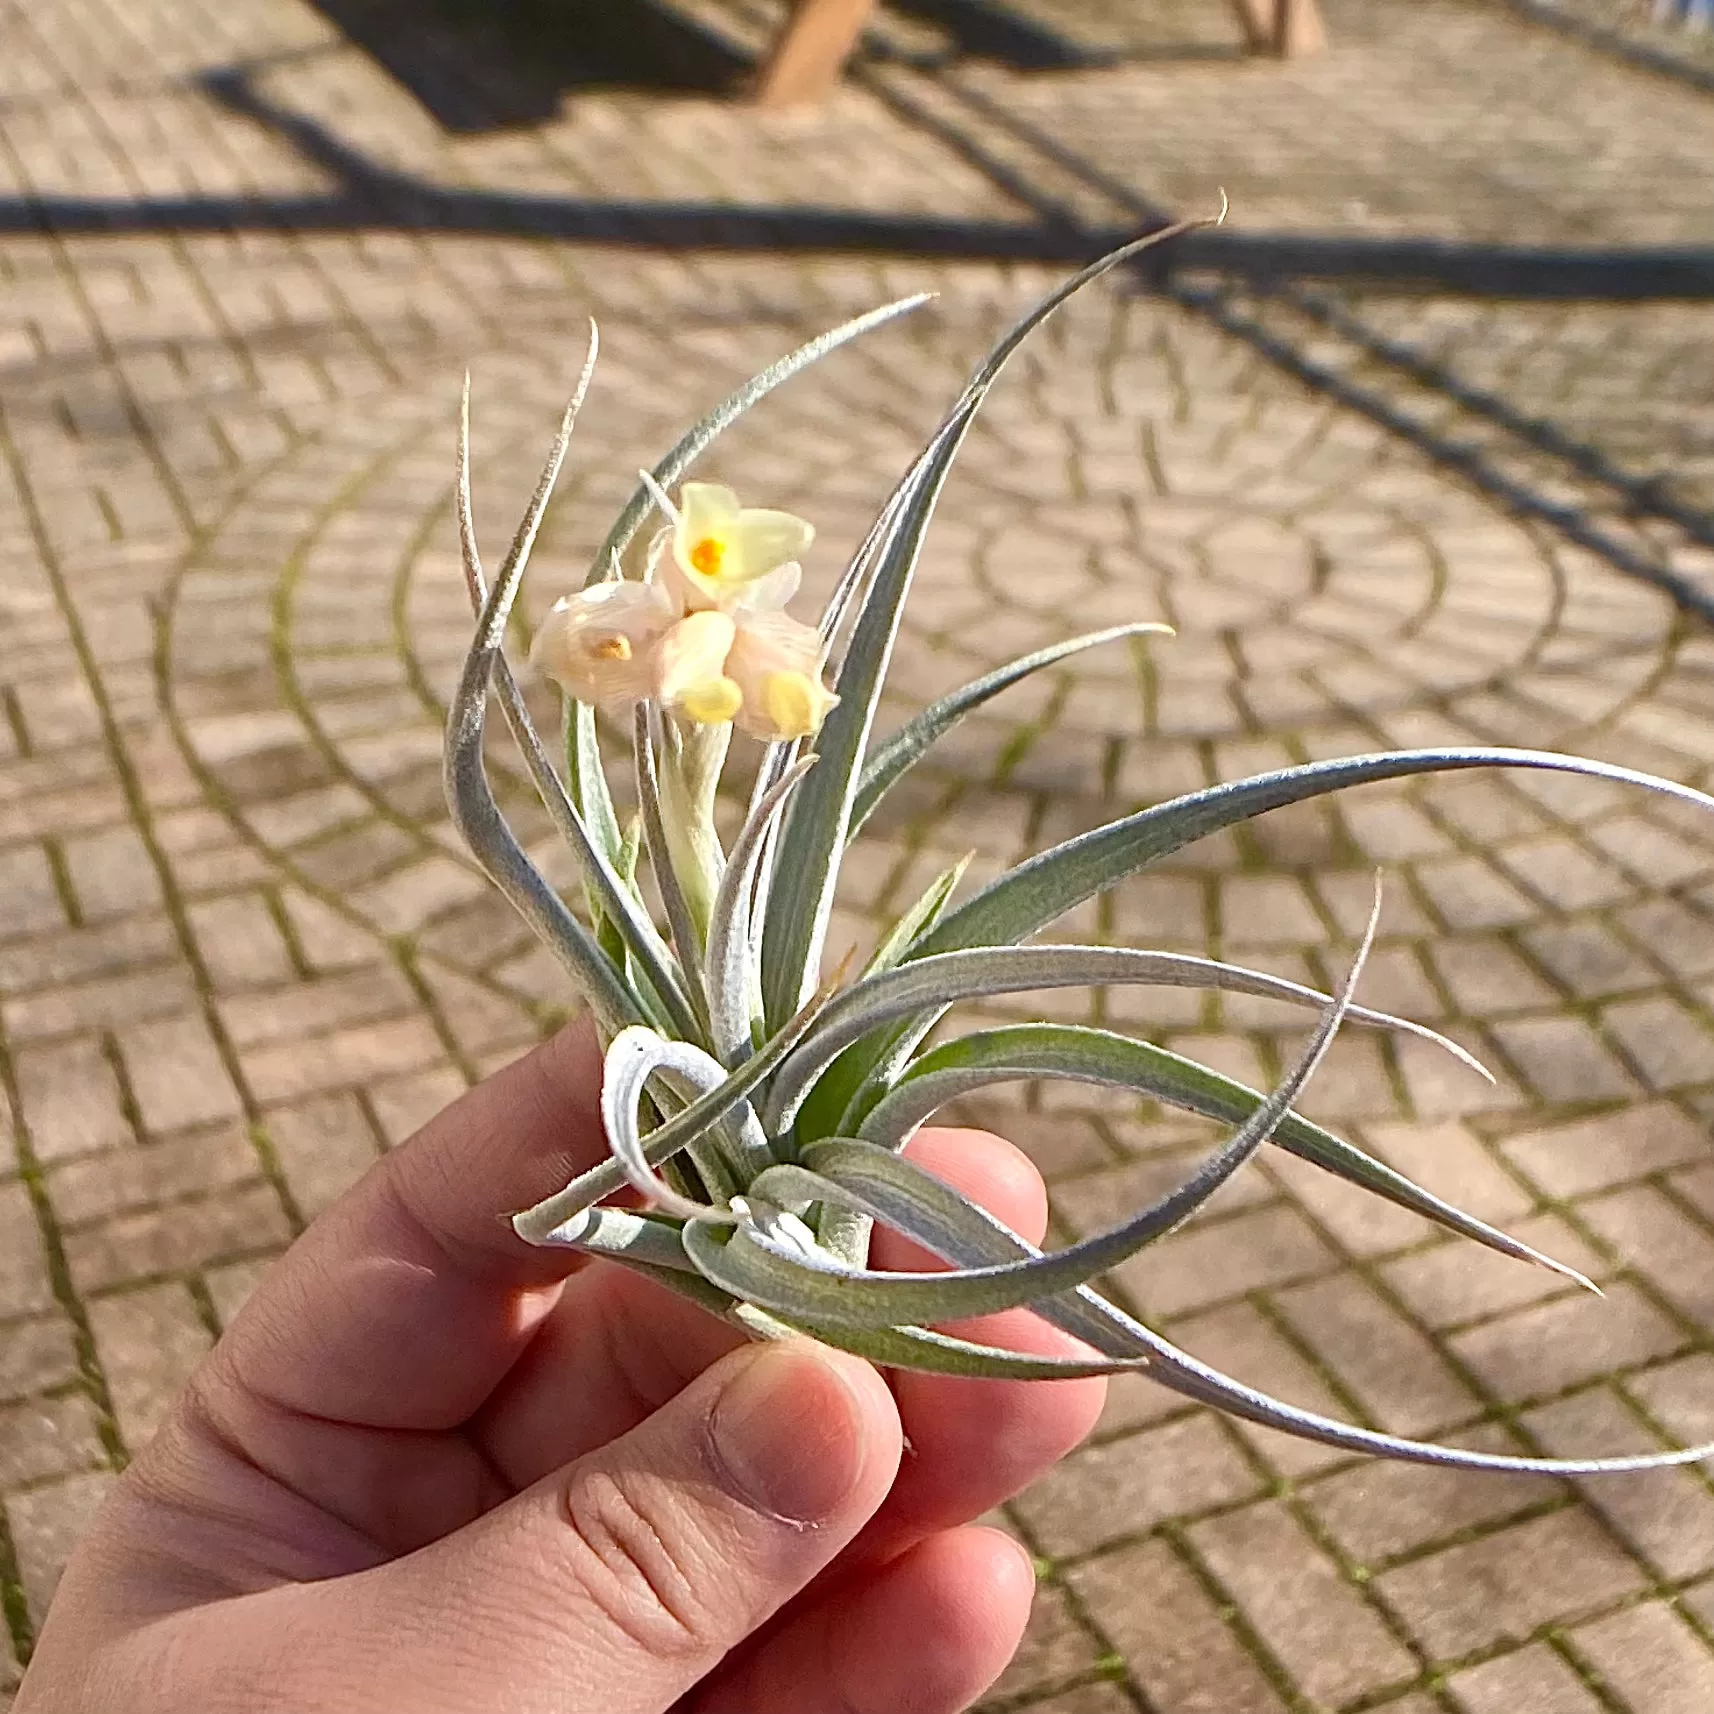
762, 1113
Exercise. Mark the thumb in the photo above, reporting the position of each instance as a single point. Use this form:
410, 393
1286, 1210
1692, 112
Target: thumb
619, 1582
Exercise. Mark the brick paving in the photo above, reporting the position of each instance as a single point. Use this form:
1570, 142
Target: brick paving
245, 263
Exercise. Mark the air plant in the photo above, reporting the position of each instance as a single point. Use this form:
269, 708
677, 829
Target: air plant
762, 1113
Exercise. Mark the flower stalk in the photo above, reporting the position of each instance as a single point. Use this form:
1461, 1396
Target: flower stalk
761, 1108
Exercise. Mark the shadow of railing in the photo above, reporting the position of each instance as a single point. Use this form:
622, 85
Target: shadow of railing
1198, 272
1654, 55
984, 29
367, 195
482, 65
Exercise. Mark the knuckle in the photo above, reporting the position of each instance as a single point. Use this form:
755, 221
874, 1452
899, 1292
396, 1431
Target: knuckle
648, 1575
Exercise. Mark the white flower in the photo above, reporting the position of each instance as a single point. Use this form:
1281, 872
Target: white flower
705, 637
690, 676
600, 644
775, 662
731, 556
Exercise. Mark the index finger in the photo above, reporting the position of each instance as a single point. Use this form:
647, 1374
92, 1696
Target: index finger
406, 1302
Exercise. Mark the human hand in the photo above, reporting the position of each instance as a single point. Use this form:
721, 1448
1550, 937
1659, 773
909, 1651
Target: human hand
431, 1470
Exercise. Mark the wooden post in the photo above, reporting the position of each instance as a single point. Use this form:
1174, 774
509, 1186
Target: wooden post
1283, 27
1255, 19
804, 62
1298, 28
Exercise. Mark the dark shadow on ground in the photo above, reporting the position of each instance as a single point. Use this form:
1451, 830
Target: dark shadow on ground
1198, 272
371, 196
991, 30
983, 29
484, 65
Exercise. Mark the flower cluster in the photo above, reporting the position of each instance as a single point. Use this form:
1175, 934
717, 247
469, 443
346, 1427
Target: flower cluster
705, 635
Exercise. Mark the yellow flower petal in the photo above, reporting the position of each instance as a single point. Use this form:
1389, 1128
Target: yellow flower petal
766, 540
793, 705
712, 702
691, 658
722, 549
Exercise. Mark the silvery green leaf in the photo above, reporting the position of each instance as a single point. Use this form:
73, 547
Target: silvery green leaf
731, 969
1032, 895
755, 1267
686, 936
625, 867
535, 1224
469, 795
814, 833
1068, 1051
1025, 899
848, 1234
636, 1056
929, 984
618, 1235
610, 897
697, 440
906, 746
586, 779
862, 564
954, 1228
934, 1353
616, 902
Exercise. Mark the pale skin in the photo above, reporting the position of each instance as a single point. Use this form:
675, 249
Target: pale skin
431, 1470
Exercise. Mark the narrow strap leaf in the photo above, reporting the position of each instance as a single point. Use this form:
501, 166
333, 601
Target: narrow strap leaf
617, 904
927, 985
610, 897
814, 834
701, 437
831, 1096
914, 738
1027, 898
920, 917
968, 1236
587, 777
1072, 1052
922, 1349
687, 940
1032, 895
536, 1224
470, 795
731, 969
618, 1235
615, 901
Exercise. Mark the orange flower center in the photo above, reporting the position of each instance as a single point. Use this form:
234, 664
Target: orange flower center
612, 649
706, 556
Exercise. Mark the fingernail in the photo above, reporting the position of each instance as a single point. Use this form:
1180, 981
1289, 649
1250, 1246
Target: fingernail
788, 1433
1025, 1558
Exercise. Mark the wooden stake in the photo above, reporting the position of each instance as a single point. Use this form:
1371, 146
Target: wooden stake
805, 61
1298, 28
1283, 27
1256, 20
